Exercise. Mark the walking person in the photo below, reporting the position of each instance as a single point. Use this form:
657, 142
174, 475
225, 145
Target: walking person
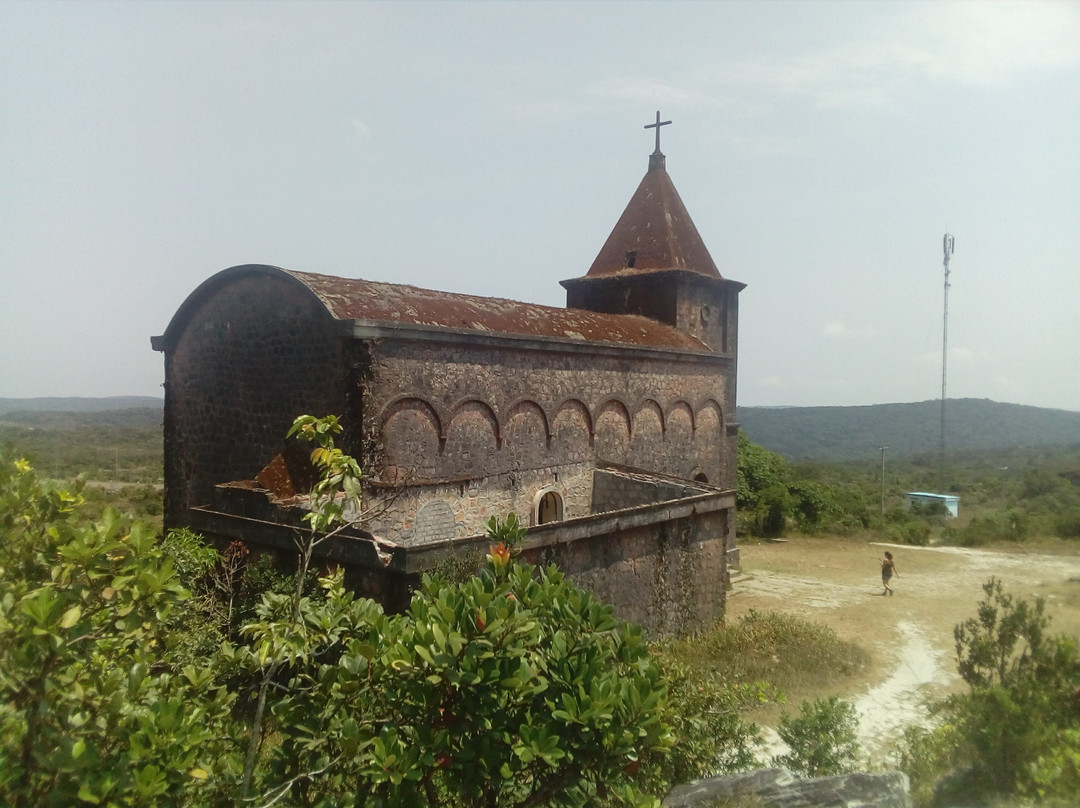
888, 570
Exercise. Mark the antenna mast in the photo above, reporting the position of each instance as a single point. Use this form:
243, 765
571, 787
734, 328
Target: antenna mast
947, 245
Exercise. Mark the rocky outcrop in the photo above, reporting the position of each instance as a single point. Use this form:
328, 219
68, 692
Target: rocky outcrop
779, 788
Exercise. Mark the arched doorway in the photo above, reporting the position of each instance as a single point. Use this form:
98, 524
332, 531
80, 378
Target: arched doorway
549, 508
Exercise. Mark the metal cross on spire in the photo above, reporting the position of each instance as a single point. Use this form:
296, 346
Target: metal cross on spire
657, 126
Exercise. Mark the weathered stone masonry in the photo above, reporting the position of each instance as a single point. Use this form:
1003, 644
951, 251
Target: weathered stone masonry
607, 426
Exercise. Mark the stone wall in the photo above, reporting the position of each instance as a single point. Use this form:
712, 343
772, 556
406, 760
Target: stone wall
453, 428
696, 304
257, 352
662, 566
419, 514
441, 412
613, 491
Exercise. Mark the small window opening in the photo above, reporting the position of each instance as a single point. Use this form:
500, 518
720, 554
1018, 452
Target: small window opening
549, 508
631, 258
701, 478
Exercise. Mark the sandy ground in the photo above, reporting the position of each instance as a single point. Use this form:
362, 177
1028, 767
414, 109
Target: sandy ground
909, 635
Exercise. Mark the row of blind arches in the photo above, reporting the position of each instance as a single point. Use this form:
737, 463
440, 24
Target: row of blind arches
470, 440
443, 418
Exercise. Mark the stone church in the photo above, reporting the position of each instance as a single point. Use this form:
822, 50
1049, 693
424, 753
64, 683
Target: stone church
606, 426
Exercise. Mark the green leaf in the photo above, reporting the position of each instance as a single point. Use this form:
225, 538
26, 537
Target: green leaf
71, 616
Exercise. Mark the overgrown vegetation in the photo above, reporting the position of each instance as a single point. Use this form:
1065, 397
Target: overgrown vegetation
793, 655
1013, 732
137, 666
822, 738
721, 677
145, 672
1010, 497
112, 446
511, 688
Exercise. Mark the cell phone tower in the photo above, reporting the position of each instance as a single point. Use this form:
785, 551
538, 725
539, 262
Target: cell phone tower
947, 245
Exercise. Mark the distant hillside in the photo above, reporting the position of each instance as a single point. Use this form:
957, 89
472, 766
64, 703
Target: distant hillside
58, 404
835, 434
46, 419
107, 439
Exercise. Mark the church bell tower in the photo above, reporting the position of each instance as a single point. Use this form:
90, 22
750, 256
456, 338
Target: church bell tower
655, 264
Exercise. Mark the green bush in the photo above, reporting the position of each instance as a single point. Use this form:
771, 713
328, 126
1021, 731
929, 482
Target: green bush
1009, 732
1006, 525
710, 737
510, 688
928, 756
823, 738
1055, 776
1068, 524
913, 533
95, 707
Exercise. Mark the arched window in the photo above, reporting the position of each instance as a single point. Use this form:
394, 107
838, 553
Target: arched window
549, 508
701, 478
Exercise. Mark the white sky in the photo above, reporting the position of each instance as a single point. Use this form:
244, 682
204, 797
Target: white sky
822, 149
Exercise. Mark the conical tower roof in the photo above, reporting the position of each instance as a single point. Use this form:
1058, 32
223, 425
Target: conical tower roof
654, 233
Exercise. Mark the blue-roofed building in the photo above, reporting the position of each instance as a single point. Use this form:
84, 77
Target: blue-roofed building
921, 498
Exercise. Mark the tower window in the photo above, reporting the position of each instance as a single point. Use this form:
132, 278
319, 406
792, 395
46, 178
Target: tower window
631, 258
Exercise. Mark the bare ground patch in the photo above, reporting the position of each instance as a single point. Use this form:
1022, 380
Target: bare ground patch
909, 636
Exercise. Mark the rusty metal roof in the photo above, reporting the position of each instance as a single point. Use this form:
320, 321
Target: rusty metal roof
655, 232
355, 299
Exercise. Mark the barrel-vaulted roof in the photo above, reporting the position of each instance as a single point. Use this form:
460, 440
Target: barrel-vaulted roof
378, 303
654, 233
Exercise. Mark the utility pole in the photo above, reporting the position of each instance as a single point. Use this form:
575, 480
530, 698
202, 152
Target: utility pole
947, 245
883, 448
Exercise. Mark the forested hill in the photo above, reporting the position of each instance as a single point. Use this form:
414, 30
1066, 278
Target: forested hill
74, 413
827, 434
833, 434
76, 404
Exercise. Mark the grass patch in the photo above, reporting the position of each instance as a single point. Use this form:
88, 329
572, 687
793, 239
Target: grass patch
781, 657
725, 677
143, 502
790, 653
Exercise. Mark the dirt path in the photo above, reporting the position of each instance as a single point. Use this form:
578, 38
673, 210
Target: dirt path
910, 635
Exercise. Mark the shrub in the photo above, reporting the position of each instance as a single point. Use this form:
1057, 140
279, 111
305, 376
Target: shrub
95, 707
780, 648
823, 738
913, 532
1055, 776
709, 735
1008, 727
927, 756
1068, 524
511, 688
905, 526
1005, 525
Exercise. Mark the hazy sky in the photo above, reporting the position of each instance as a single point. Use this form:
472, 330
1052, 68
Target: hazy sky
822, 149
